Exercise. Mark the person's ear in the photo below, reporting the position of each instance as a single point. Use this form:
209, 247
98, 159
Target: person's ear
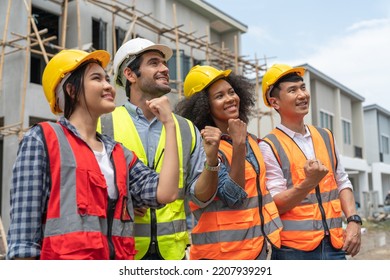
274, 102
69, 90
129, 74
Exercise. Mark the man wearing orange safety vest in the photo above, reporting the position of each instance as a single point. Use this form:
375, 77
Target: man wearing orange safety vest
305, 177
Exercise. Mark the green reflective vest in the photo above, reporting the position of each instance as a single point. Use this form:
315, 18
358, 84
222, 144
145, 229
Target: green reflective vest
165, 227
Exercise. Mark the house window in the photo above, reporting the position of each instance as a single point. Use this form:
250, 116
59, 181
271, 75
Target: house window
49, 21
385, 144
346, 132
120, 35
185, 65
99, 34
326, 120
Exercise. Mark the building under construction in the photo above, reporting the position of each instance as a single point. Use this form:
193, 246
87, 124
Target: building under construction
34, 30
199, 33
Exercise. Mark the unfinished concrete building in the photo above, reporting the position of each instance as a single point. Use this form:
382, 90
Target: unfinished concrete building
34, 30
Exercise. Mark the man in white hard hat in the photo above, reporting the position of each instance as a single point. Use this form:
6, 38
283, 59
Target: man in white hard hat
140, 67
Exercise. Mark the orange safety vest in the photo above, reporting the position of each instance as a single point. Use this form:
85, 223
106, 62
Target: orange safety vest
319, 213
223, 233
76, 225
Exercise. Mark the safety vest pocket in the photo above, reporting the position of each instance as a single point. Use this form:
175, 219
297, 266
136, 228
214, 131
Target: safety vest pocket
76, 246
297, 173
236, 230
124, 247
91, 193
336, 205
177, 206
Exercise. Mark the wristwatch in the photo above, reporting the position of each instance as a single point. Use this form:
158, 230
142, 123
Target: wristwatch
212, 168
355, 219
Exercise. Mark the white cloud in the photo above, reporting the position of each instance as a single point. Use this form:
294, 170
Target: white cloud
360, 60
368, 24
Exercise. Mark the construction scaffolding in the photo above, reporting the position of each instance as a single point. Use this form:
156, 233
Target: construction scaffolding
218, 56
3, 241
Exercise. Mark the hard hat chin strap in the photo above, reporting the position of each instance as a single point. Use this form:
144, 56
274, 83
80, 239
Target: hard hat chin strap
126, 63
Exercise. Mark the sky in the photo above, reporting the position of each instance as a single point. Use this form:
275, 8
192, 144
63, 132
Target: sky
347, 40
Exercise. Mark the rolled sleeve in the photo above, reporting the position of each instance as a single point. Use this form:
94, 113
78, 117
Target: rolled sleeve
229, 191
197, 160
143, 183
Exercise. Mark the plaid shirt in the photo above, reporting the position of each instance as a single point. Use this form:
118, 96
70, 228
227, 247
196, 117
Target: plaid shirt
30, 191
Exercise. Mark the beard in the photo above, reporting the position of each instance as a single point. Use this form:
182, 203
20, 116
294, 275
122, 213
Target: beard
154, 89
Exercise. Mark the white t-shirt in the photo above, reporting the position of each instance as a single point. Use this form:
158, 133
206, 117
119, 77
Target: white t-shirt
107, 170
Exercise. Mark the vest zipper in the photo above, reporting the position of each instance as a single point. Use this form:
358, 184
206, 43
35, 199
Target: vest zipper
110, 219
153, 247
325, 224
259, 196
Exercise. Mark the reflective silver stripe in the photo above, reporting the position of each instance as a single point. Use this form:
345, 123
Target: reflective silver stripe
232, 235
225, 235
309, 225
167, 228
186, 138
325, 197
329, 196
122, 229
68, 205
219, 206
325, 137
74, 223
283, 158
107, 125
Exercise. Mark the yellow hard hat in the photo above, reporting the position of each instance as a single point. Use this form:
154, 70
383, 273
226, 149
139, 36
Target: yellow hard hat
273, 74
200, 77
63, 63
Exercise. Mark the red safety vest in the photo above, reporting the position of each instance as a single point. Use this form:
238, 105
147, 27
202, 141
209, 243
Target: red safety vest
76, 223
223, 233
320, 212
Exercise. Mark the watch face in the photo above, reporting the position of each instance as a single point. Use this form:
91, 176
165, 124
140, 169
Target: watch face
355, 218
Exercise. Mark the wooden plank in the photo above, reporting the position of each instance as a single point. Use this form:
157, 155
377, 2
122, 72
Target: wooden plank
3, 245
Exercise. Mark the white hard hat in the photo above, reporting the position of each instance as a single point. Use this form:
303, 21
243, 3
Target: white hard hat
128, 52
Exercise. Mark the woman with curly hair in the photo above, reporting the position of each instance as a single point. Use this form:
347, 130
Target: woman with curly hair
242, 218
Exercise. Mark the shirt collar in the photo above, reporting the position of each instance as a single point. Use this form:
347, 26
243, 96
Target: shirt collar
137, 113
133, 110
293, 134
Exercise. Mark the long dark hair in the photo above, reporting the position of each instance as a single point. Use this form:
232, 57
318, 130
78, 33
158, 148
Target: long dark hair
76, 79
197, 107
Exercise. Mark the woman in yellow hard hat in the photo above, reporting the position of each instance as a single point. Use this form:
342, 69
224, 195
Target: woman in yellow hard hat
73, 189
243, 218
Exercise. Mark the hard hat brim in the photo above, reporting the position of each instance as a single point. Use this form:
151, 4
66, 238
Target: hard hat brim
99, 55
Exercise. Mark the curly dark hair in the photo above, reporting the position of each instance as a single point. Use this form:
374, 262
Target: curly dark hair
197, 107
